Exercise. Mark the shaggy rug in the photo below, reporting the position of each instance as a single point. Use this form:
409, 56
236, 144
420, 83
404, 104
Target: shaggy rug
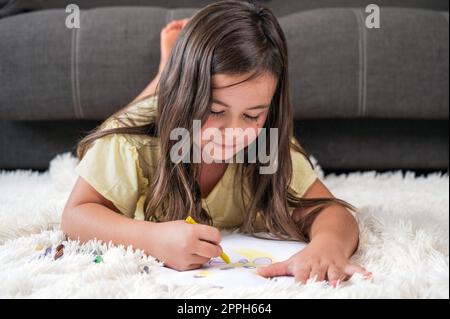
404, 242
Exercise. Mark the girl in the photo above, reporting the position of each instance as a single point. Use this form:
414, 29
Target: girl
228, 67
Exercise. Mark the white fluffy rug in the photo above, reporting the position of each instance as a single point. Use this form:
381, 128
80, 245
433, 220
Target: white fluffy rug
404, 242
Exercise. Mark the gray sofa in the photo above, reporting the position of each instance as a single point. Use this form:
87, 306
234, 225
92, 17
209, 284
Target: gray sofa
364, 98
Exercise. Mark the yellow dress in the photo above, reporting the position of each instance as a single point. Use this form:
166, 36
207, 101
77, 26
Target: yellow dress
119, 166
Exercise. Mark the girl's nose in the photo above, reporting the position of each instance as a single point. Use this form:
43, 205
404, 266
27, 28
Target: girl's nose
235, 130
231, 123
227, 137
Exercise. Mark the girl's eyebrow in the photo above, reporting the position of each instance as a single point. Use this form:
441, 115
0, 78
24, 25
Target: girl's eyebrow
261, 106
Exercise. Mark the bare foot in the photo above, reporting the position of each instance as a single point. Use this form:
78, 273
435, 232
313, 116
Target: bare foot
169, 35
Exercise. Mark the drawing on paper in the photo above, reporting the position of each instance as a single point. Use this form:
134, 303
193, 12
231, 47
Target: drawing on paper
246, 258
246, 254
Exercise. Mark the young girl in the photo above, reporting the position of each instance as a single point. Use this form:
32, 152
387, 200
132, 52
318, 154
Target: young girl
228, 67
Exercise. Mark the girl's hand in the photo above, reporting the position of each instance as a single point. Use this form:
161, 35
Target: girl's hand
327, 262
183, 246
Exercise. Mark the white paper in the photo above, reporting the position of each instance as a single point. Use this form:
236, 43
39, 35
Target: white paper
246, 253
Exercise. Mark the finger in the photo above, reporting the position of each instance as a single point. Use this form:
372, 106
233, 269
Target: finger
166, 29
276, 269
208, 233
335, 275
207, 249
351, 269
319, 271
177, 23
170, 24
302, 274
173, 22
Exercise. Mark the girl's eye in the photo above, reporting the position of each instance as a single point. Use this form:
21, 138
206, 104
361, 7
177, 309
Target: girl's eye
216, 114
251, 118
247, 117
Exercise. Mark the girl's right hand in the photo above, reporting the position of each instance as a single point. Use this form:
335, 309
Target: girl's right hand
183, 246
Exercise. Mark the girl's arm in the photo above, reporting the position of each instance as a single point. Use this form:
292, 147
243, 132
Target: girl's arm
335, 224
88, 215
334, 238
182, 246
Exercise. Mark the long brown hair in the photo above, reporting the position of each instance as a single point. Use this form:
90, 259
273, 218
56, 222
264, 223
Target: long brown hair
226, 37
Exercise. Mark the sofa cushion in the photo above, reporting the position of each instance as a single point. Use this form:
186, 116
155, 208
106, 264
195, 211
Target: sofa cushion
338, 68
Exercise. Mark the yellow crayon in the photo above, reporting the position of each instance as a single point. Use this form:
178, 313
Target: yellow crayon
224, 256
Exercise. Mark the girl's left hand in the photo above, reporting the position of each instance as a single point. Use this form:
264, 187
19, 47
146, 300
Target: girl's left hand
317, 259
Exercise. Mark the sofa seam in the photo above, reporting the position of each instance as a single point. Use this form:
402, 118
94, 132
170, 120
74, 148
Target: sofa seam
362, 82
75, 72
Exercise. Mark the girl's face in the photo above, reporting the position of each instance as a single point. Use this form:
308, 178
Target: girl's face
243, 106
